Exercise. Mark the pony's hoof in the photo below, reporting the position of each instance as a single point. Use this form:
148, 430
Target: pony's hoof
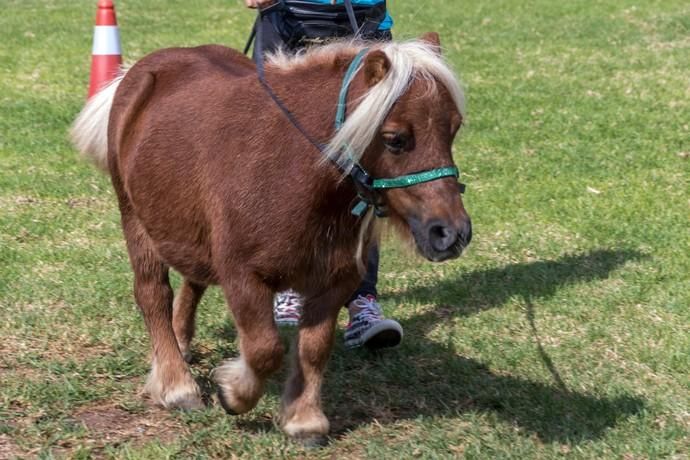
312, 441
232, 404
224, 404
185, 395
239, 390
310, 431
178, 400
190, 402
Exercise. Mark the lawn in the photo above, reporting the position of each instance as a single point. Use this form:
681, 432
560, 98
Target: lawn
564, 331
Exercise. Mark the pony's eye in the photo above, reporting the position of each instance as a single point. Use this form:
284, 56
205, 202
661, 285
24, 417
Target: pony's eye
395, 142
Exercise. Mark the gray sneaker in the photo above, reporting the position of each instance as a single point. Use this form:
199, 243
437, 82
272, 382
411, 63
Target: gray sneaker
369, 328
287, 308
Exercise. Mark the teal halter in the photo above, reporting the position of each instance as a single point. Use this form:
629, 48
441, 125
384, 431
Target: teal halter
366, 186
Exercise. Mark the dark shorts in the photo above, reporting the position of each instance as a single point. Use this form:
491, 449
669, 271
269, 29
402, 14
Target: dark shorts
272, 40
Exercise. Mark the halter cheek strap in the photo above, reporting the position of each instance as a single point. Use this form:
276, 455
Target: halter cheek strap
367, 188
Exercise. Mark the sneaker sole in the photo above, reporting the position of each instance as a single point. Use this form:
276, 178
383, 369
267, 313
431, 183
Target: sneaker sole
287, 323
385, 334
384, 339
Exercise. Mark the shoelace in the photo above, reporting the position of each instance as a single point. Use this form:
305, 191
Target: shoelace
288, 302
369, 308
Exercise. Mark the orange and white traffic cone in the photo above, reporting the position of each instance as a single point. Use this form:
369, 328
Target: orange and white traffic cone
106, 57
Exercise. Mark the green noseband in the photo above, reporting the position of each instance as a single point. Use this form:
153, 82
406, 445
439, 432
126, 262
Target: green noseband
366, 186
417, 178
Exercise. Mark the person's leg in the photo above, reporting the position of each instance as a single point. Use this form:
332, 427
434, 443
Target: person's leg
368, 327
287, 306
371, 277
270, 38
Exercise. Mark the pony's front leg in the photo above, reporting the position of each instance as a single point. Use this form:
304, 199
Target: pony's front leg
241, 380
301, 415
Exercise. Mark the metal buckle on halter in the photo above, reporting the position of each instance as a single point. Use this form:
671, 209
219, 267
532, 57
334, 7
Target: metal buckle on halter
364, 203
367, 194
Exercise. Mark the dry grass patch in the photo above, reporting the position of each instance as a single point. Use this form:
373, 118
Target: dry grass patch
108, 424
62, 345
9, 449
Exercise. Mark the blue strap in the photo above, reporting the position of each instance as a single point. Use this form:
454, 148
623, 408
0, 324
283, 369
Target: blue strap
345, 88
365, 188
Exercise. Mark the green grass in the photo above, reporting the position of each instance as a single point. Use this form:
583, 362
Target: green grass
563, 332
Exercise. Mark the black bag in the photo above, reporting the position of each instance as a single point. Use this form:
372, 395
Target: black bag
307, 20
299, 22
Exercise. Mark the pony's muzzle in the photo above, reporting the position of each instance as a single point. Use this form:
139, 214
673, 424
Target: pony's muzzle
448, 241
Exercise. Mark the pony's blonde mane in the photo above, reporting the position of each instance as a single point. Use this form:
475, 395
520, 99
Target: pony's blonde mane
410, 61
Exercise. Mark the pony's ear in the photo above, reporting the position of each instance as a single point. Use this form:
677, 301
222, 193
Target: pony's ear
433, 39
376, 67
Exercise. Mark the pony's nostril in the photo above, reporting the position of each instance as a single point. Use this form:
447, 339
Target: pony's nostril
442, 237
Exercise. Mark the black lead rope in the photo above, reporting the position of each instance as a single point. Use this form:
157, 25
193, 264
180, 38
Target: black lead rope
361, 179
352, 17
257, 37
363, 182
281, 105
251, 36
366, 187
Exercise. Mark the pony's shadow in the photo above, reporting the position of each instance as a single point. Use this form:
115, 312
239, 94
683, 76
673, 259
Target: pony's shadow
428, 378
485, 289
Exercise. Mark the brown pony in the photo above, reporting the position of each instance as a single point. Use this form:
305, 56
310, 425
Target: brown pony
213, 181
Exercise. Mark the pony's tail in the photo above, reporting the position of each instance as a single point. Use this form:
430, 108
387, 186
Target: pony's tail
89, 132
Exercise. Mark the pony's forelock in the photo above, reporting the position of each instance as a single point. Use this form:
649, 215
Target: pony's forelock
411, 61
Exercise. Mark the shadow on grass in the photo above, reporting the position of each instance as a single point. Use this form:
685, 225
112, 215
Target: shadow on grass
491, 288
425, 378
409, 386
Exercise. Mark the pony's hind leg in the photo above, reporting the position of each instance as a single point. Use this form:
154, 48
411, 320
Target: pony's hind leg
184, 309
241, 380
170, 383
